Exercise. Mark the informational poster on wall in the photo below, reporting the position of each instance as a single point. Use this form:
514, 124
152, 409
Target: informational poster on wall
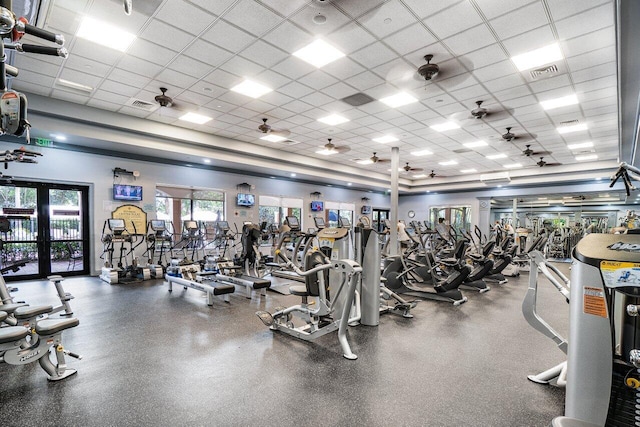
135, 218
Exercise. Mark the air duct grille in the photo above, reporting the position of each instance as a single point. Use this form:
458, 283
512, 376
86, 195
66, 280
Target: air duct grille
141, 105
544, 71
358, 99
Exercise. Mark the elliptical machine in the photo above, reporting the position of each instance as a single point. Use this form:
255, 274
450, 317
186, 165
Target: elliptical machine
159, 241
115, 233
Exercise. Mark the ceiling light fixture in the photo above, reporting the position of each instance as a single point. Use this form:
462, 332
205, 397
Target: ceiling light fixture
421, 153
365, 162
448, 163
559, 102
443, 127
349, 184
399, 99
538, 57
333, 119
327, 152
251, 89
580, 145
293, 175
420, 176
496, 156
195, 118
385, 139
319, 53
574, 128
513, 165
207, 161
58, 137
475, 144
74, 85
468, 170
587, 157
273, 138
105, 34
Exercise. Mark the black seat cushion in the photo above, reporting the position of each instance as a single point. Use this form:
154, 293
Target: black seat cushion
223, 289
50, 327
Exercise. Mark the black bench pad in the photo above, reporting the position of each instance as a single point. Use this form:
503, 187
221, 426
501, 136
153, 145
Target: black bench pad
223, 289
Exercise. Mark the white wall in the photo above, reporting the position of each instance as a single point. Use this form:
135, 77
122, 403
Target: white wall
96, 171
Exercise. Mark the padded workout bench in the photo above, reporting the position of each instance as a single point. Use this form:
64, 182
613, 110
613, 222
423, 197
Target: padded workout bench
189, 280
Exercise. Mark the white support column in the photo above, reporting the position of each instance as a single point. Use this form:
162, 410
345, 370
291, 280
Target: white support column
393, 233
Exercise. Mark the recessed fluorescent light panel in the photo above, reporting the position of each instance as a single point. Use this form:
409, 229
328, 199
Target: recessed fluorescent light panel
443, 127
580, 145
513, 165
496, 156
538, 57
468, 170
475, 144
421, 153
251, 89
58, 137
587, 157
273, 138
319, 53
420, 176
326, 152
385, 139
365, 162
574, 128
105, 34
399, 99
333, 120
448, 163
195, 118
559, 102
74, 85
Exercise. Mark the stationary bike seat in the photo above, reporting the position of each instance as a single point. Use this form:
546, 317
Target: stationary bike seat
3, 315
10, 308
50, 327
12, 333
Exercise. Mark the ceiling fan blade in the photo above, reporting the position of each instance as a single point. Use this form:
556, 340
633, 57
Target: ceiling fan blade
383, 161
541, 153
416, 170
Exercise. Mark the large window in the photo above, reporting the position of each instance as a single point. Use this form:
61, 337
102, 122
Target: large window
337, 210
274, 210
177, 204
458, 217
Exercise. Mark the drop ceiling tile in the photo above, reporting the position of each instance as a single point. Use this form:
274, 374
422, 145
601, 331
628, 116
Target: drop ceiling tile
550, 83
485, 56
392, 16
271, 79
27, 78
151, 52
520, 21
232, 37
444, 26
350, 38
175, 79
104, 105
276, 98
387, 115
373, 55
165, 35
80, 77
264, 54
285, 7
343, 68
318, 79
64, 20
297, 106
530, 40
185, 16
410, 39
139, 66
424, 8
243, 67
190, 67
599, 71
88, 66
504, 82
562, 9
206, 52
470, 40
356, 8
229, 118
103, 95
497, 70
516, 92
295, 90
586, 22
234, 98
589, 59
95, 52
604, 82
598, 94
252, 17
339, 90
69, 96
294, 68
119, 88
31, 63
288, 37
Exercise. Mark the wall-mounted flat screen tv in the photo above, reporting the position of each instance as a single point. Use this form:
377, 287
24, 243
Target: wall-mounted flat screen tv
317, 206
127, 192
366, 210
245, 199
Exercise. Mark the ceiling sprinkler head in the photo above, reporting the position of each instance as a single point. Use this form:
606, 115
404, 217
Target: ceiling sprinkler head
319, 19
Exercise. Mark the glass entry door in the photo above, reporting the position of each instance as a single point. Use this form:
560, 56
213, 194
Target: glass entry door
43, 230
379, 215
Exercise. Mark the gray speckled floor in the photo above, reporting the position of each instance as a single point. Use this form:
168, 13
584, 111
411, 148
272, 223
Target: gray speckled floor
157, 359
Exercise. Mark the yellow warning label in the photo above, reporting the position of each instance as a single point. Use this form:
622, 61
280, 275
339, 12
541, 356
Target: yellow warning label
616, 265
594, 302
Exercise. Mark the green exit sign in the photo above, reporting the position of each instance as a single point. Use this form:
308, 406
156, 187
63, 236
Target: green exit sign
43, 142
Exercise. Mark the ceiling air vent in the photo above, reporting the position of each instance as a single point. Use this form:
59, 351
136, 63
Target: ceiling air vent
141, 105
544, 71
357, 99
569, 123
462, 150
